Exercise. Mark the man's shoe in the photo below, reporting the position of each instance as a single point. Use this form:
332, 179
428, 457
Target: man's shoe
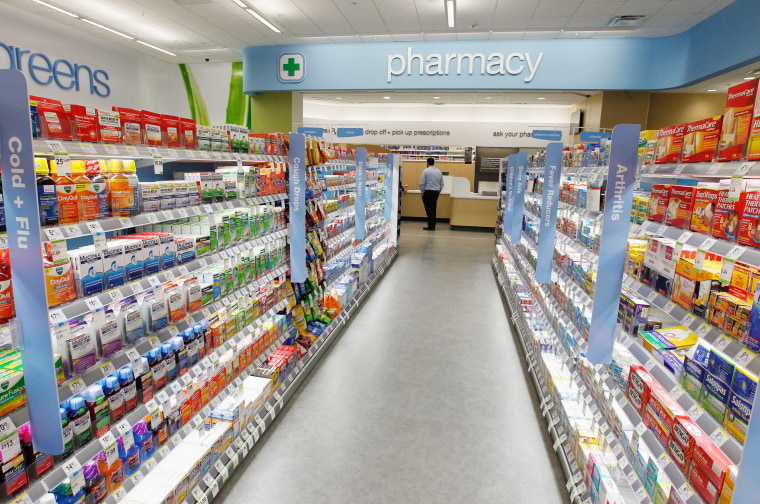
428, 229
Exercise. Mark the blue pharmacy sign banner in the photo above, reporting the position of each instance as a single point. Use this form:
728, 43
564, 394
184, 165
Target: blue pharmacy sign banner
389, 188
315, 132
350, 132
612, 248
27, 270
548, 224
297, 196
552, 135
521, 166
594, 136
361, 193
510, 174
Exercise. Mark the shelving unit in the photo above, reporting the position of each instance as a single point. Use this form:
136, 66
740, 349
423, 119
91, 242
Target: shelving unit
421, 153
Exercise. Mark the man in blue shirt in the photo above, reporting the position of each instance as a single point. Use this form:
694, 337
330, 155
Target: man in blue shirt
431, 184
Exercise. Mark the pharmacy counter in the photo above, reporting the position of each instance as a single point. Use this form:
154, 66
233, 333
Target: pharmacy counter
473, 210
412, 206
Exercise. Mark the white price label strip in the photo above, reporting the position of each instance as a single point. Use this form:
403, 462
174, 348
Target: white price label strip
718, 437
726, 270
744, 357
721, 343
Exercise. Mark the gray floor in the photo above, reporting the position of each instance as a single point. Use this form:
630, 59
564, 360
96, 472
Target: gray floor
423, 399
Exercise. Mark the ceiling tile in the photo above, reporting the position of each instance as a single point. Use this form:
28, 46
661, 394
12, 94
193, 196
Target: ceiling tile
519, 8
544, 34
440, 36
516, 35
598, 8
407, 37
685, 6
556, 9
573, 34
510, 23
645, 8
377, 38
326, 16
587, 22
718, 5
547, 22
664, 20
472, 36
649, 32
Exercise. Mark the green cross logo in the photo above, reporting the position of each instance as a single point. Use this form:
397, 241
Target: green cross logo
291, 68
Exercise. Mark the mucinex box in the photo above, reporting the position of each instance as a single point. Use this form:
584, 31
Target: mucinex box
88, 270
113, 264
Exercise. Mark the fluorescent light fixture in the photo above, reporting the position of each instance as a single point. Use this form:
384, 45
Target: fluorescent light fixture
436, 97
55, 8
749, 78
264, 21
450, 12
240, 3
386, 97
93, 23
338, 98
541, 98
156, 48
711, 90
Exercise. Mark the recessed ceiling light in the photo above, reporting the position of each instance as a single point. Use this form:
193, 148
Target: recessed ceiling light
488, 97
541, 98
240, 3
436, 97
386, 97
711, 90
264, 21
450, 13
93, 23
55, 8
156, 48
338, 98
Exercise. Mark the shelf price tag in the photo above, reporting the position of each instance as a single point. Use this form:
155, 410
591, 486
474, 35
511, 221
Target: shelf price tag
73, 470
689, 320
668, 308
107, 369
158, 166
726, 270
744, 357
695, 412
126, 222
718, 437
222, 470
721, 343
703, 330
77, 386
108, 442
685, 492
199, 495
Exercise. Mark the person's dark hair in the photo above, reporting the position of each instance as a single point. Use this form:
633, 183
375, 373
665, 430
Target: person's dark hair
430, 161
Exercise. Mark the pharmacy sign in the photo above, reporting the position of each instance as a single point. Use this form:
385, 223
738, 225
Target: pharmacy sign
291, 68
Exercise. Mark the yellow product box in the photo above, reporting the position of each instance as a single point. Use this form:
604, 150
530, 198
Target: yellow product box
671, 338
741, 397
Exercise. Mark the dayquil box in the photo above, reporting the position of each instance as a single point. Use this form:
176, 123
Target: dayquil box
151, 123
680, 204
110, 126
658, 202
669, 143
737, 120
187, 127
170, 127
59, 284
131, 125
84, 122
700, 140
54, 122
705, 199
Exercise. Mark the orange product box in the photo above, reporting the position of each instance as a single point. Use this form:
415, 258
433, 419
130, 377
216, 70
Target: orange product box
640, 385
110, 126
702, 484
726, 218
749, 221
658, 202
131, 125
151, 124
684, 283
737, 119
187, 128
711, 460
669, 143
705, 199
170, 127
59, 283
84, 122
744, 280
700, 140
753, 145
680, 205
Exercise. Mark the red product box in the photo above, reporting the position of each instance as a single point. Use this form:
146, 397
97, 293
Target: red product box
656, 424
666, 407
639, 388
686, 434
171, 129
84, 122
737, 120
131, 125
658, 202
749, 222
703, 211
726, 218
53, 119
187, 127
669, 143
680, 204
711, 461
110, 126
700, 140
703, 485
151, 124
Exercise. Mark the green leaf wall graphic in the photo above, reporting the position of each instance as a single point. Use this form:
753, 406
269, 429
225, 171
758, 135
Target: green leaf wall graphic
194, 97
236, 103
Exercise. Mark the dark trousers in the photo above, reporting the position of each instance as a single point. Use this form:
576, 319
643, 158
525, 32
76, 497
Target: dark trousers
430, 200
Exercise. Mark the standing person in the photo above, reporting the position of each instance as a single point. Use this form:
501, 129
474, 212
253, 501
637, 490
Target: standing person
431, 184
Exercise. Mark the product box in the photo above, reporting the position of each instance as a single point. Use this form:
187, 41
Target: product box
705, 200
113, 264
711, 461
695, 368
740, 400
671, 338
54, 123
701, 140
737, 120
150, 196
151, 123
658, 202
187, 127
680, 204
133, 259
170, 127
131, 125
669, 144
202, 137
753, 145
110, 126
84, 122
749, 222
639, 387
185, 249
702, 484
88, 270
59, 284
682, 440
726, 218
717, 384
666, 410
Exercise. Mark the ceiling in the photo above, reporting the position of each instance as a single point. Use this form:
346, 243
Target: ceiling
220, 29
485, 98
722, 82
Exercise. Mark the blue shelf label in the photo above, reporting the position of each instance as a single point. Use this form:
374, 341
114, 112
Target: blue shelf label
548, 224
553, 135
297, 179
594, 136
350, 132
521, 165
361, 186
310, 131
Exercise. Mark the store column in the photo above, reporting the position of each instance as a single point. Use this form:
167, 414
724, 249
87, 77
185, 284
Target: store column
276, 111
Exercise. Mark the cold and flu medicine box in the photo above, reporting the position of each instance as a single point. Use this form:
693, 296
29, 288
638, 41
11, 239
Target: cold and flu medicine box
740, 401
88, 270
680, 204
737, 120
53, 120
700, 141
669, 144
131, 125
84, 122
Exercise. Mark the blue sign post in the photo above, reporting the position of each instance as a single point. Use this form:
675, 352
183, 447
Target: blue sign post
521, 166
510, 174
390, 186
27, 270
612, 248
297, 196
361, 186
548, 225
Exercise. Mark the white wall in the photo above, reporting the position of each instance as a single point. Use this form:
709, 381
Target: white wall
427, 124
136, 80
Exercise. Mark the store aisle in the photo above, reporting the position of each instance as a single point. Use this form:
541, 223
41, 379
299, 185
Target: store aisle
423, 399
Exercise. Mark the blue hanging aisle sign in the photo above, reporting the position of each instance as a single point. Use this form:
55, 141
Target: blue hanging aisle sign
389, 188
315, 132
297, 196
553, 135
548, 224
594, 136
361, 187
350, 132
612, 248
27, 270
510, 200
521, 166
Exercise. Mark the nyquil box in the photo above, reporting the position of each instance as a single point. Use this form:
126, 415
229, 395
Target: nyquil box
88, 270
